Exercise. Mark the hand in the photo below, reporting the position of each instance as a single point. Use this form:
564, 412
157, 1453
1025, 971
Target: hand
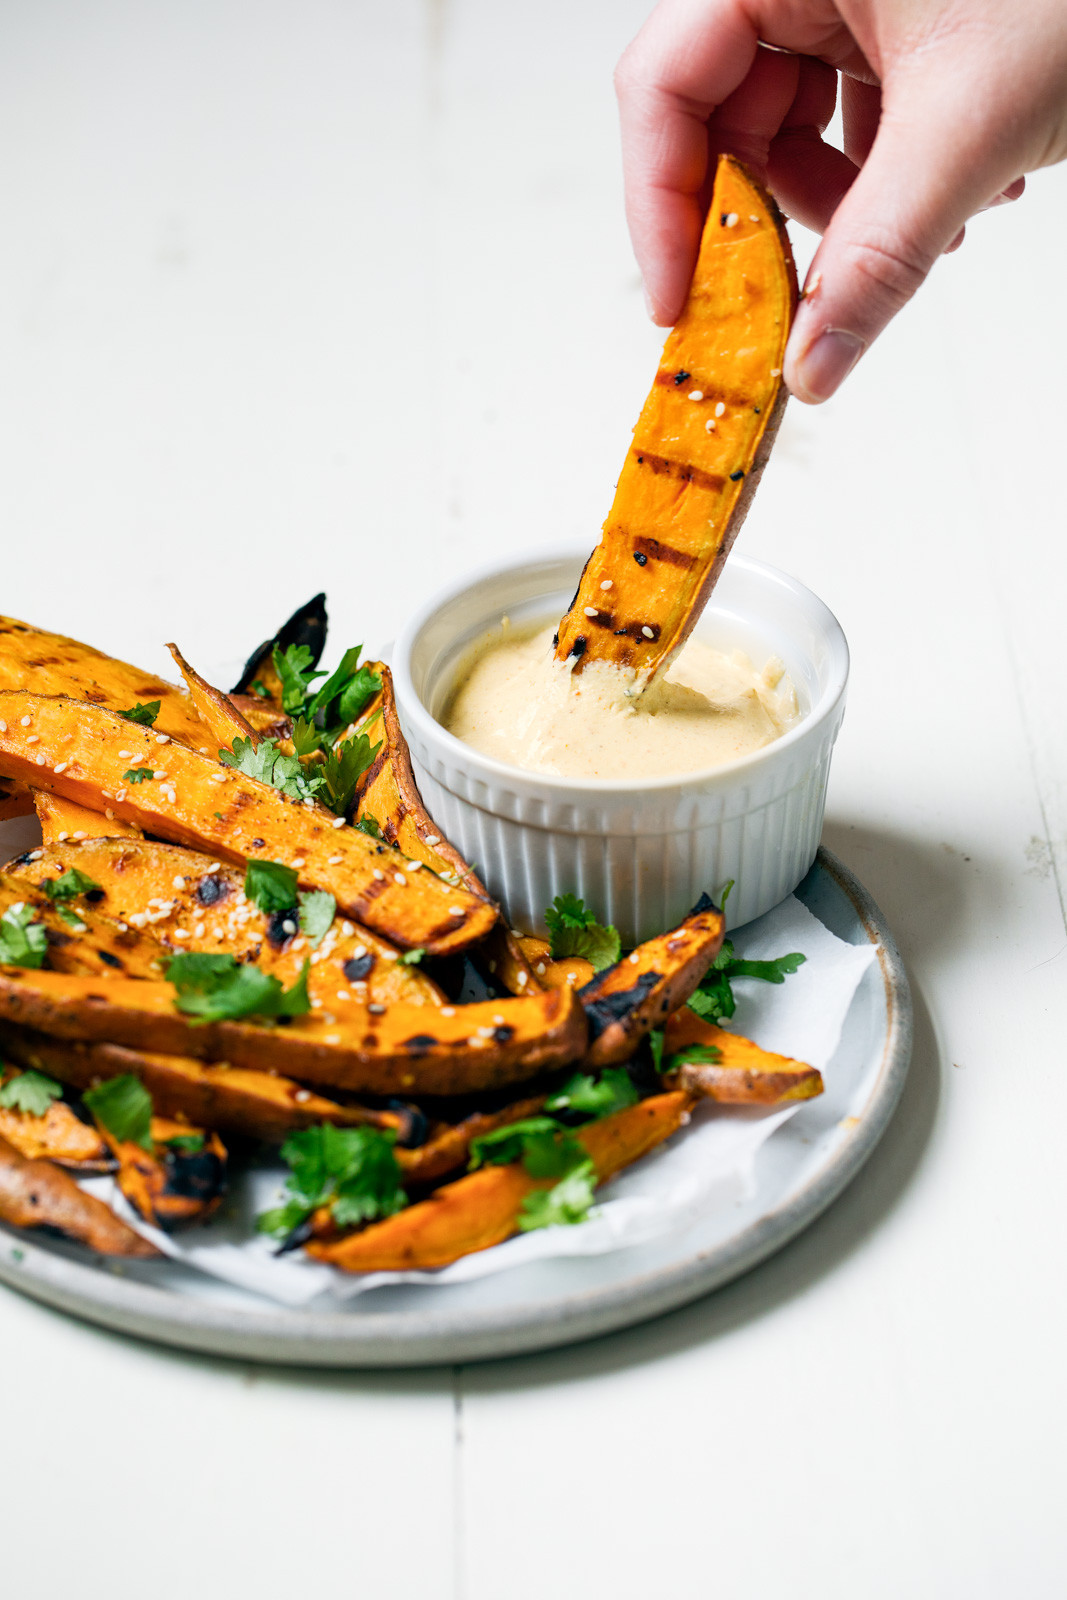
945, 104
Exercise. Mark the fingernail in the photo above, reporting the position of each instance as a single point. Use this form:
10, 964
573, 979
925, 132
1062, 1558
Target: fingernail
827, 363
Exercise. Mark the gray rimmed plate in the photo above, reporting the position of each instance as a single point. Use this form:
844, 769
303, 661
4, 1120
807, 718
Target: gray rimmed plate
799, 1172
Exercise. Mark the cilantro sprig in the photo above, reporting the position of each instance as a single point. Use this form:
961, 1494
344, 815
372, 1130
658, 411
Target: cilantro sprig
218, 988
23, 942
353, 1171
332, 781
272, 886
325, 712
574, 931
30, 1092
144, 714
69, 885
123, 1107
138, 775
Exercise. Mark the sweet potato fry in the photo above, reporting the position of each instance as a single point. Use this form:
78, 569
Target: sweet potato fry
56, 1135
171, 1186
744, 1074
86, 753
189, 902
96, 945
639, 992
62, 820
261, 1105
36, 1194
483, 1208
404, 1050
216, 710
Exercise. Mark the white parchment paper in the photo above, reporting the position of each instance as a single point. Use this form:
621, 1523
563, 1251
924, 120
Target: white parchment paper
707, 1165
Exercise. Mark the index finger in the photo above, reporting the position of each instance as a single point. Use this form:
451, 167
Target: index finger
687, 59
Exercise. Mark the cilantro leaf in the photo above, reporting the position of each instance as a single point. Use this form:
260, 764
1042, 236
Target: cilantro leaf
342, 770
773, 971
186, 1144
69, 885
411, 958
72, 919
215, 988
337, 682
317, 911
138, 775
269, 765
306, 737
291, 665
361, 688
595, 1097
504, 1145
368, 826
123, 1107
351, 1170
259, 688
694, 1055
23, 942
574, 931
30, 1092
714, 997
565, 1204
145, 715
270, 885
655, 1045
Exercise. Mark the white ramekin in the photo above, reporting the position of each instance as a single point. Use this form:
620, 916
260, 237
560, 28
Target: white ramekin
639, 853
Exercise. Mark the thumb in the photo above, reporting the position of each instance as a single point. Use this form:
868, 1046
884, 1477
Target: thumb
927, 172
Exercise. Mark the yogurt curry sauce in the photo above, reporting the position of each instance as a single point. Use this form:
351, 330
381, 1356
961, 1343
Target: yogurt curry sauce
515, 702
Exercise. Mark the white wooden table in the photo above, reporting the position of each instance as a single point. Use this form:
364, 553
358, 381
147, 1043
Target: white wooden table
339, 295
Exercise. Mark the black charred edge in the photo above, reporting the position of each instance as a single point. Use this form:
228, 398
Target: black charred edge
278, 936
356, 968
414, 1128
705, 903
420, 1043
299, 1236
211, 889
108, 959
306, 626
94, 896
578, 648
194, 1174
602, 1011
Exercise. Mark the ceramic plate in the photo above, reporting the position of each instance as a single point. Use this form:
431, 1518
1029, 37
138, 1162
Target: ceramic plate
799, 1171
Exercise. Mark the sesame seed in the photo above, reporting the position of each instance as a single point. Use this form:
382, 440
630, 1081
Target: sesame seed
606, 584
106, 795
379, 874
179, 882
732, 220
331, 1038
35, 855
433, 839
213, 866
720, 409
163, 738
455, 911
126, 755
709, 426
302, 1095
62, 837
179, 933
218, 777
24, 722
343, 994
590, 611
122, 927
40, 761
200, 930
540, 969
492, 966
499, 1021
448, 1011
316, 1005
120, 796
696, 394
109, 814
358, 951
414, 866
61, 767
521, 979
288, 926
776, 372
348, 929
298, 861
752, 217
338, 822
634, 959
34, 738
375, 1009
66, 739
159, 772
79, 833
171, 796
390, 955
329, 1018
3, 727
647, 631
331, 861
310, 804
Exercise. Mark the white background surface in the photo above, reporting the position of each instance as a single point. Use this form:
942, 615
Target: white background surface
339, 295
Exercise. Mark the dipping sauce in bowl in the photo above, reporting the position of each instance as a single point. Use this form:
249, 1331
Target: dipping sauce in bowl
515, 702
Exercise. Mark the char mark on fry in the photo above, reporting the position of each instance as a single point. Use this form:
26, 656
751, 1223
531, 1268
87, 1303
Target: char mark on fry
603, 1011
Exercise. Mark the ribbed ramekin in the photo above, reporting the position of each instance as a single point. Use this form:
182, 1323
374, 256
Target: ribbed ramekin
641, 852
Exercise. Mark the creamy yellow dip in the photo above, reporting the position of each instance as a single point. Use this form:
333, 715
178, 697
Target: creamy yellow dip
516, 703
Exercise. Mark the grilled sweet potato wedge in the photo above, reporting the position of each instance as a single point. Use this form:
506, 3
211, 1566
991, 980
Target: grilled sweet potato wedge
56, 1135
390, 796
223, 721
700, 444
95, 945
638, 993
189, 902
37, 1194
483, 1208
176, 1184
448, 1149
743, 1075
16, 800
84, 753
404, 1050
62, 820
261, 1105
